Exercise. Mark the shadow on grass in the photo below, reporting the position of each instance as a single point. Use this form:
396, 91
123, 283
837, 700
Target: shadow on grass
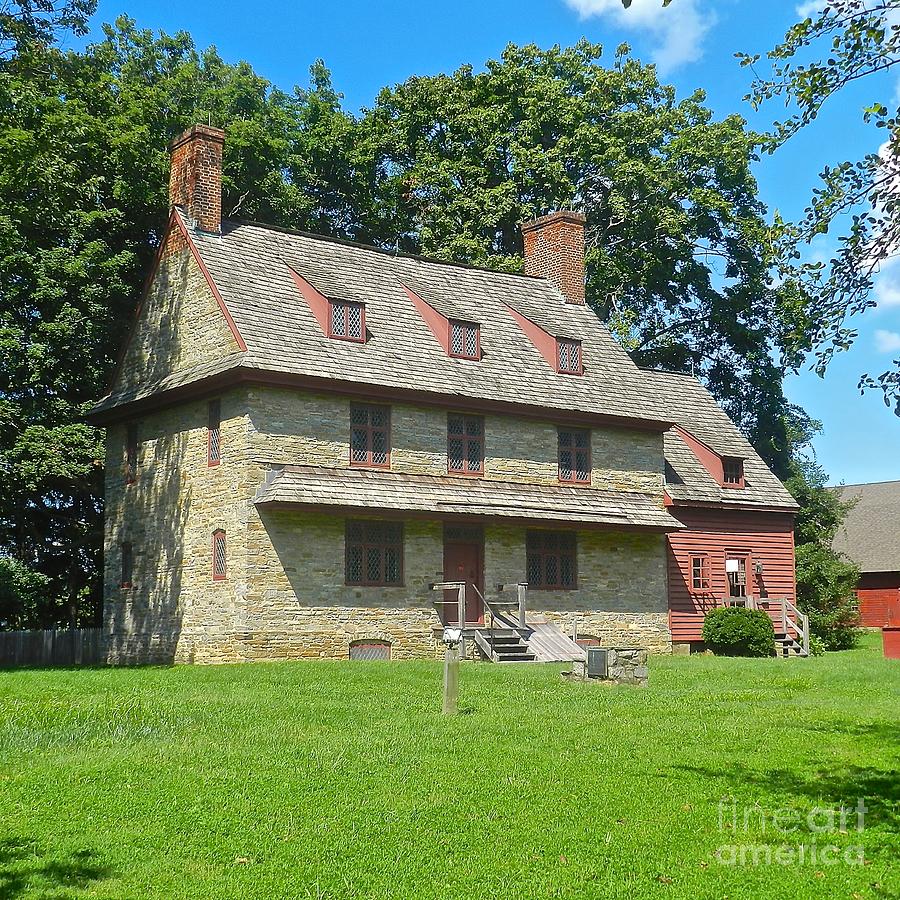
24, 870
879, 788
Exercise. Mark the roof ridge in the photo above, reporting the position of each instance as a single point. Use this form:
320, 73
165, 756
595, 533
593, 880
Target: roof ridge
384, 251
860, 484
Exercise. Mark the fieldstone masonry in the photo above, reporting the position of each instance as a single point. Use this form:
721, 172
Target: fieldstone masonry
624, 665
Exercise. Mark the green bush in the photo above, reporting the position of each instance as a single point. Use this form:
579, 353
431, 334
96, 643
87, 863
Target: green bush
737, 631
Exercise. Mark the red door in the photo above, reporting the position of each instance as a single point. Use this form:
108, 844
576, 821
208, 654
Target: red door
463, 562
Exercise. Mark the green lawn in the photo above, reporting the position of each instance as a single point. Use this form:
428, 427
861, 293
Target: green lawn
343, 780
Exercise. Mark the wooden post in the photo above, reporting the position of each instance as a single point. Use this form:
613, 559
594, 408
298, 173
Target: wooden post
451, 680
461, 616
521, 589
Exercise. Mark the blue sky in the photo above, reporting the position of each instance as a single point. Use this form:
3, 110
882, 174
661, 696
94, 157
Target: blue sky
368, 45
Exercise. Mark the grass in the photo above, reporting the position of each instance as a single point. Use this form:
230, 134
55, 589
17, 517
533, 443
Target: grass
343, 780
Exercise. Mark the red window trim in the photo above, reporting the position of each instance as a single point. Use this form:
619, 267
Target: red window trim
126, 580
132, 442
346, 336
570, 341
219, 535
370, 430
574, 479
466, 327
532, 534
704, 572
214, 427
465, 437
739, 464
746, 556
381, 545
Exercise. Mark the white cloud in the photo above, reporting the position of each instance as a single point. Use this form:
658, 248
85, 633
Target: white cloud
811, 8
678, 30
887, 341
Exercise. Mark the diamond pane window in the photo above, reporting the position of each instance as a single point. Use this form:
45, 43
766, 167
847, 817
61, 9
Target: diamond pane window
127, 564
551, 560
131, 454
347, 321
370, 435
374, 553
574, 455
370, 650
465, 444
569, 356
214, 433
218, 555
465, 340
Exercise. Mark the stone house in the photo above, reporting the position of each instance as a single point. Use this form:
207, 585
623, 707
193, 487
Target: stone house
304, 435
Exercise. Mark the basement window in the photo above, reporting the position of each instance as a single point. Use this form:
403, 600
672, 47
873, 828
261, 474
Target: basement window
568, 354
347, 321
465, 340
219, 559
733, 471
369, 650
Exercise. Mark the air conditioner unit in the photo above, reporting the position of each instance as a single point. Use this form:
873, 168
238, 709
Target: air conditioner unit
596, 662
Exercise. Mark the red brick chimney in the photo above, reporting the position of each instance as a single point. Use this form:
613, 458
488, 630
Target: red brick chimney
554, 249
195, 179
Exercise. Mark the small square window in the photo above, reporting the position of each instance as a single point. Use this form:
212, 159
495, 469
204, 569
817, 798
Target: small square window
733, 471
699, 573
551, 560
465, 340
569, 356
347, 321
374, 553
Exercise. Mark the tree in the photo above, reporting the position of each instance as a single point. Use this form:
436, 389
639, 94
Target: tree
679, 256
826, 581
83, 200
27, 23
844, 42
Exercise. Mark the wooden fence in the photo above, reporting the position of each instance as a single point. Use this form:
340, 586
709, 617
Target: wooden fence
55, 647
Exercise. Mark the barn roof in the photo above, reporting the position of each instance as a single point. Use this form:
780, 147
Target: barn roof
870, 534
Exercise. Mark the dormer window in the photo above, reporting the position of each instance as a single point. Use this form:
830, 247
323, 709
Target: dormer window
465, 340
568, 355
347, 321
733, 471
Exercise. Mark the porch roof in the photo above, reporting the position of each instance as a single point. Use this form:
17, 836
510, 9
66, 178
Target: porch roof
451, 496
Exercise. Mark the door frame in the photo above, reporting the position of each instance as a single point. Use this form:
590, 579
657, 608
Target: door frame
469, 536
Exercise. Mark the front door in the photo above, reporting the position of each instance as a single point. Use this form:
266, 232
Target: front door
463, 561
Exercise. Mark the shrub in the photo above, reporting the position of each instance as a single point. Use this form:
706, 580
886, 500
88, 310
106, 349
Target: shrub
737, 631
826, 593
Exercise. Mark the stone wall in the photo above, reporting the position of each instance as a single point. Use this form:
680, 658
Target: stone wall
284, 595
174, 611
314, 429
179, 323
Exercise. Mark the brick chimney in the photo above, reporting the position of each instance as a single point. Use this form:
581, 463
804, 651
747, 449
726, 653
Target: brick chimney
195, 178
554, 249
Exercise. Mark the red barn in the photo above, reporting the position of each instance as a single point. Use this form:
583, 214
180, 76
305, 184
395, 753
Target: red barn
737, 545
870, 536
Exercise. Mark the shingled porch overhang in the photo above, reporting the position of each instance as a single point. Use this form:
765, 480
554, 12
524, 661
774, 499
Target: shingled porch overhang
428, 496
